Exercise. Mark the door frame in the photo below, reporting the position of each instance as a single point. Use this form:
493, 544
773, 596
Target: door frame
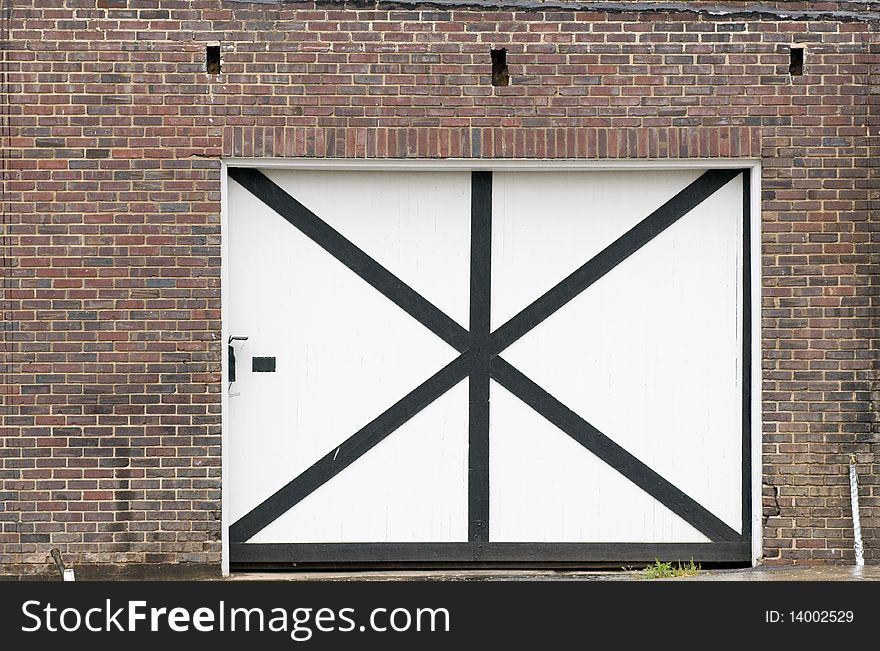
751, 245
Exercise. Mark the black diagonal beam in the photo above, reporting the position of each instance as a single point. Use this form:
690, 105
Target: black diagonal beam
351, 450
608, 451
478, 383
351, 256
616, 252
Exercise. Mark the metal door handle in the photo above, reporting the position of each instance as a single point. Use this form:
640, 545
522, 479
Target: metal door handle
230, 352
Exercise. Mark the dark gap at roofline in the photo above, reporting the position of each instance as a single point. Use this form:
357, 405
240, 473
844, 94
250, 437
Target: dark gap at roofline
212, 59
500, 73
720, 11
796, 61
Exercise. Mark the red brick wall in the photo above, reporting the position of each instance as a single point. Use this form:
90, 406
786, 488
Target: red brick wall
113, 131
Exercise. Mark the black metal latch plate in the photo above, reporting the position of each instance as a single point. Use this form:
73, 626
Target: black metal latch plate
263, 364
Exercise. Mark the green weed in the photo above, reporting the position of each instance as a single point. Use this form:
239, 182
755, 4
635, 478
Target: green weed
660, 570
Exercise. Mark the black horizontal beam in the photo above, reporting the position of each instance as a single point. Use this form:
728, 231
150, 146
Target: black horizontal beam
329, 554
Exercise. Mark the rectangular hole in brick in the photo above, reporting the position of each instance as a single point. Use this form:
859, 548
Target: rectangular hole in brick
500, 76
796, 61
212, 59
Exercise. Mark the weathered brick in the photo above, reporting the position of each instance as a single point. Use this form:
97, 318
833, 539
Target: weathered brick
111, 435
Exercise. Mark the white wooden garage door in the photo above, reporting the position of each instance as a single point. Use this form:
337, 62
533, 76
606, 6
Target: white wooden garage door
508, 366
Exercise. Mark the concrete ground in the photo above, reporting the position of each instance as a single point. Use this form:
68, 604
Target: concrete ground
211, 573
764, 573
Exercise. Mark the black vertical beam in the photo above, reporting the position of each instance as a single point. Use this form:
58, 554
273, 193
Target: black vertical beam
747, 358
478, 384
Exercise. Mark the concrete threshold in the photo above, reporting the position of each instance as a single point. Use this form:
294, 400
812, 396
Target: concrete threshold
762, 573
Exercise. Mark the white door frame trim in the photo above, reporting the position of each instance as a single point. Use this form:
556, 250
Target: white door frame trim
753, 165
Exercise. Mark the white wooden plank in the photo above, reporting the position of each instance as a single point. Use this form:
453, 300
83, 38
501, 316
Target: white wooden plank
416, 224
546, 487
412, 487
546, 225
344, 352
651, 354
